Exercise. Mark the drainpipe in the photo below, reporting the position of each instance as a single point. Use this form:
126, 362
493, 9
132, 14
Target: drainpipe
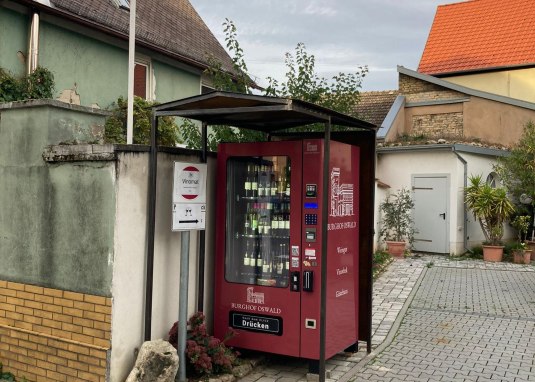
465, 179
33, 44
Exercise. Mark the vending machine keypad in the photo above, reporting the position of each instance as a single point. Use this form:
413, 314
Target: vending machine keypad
311, 219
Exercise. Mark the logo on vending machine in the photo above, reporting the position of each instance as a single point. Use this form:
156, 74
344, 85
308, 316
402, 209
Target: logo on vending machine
341, 196
254, 297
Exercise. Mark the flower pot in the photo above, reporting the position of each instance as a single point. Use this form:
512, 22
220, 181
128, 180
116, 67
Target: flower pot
395, 248
531, 247
493, 253
528, 256
522, 256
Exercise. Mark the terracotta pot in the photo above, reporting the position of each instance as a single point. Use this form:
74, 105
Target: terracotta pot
396, 248
493, 253
522, 256
531, 247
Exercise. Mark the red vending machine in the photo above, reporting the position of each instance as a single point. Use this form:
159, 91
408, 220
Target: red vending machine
268, 246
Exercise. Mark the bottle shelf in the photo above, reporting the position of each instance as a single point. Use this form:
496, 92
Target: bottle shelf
267, 199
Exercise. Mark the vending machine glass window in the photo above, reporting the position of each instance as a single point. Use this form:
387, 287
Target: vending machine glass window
258, 221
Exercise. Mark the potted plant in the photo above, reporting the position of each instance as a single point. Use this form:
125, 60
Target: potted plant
521, 255
491, 207
397, 227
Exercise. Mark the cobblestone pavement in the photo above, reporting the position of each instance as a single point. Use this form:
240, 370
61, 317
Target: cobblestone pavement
464, 324
454, 330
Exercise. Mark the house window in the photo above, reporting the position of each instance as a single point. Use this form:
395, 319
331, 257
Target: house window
493, 180
125, 4
143, 79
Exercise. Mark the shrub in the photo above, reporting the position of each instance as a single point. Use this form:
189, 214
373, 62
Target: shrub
205, 354
115, 127
37, 85
397, 222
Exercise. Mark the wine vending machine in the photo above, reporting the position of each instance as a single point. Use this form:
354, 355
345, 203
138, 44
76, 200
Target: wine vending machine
268, 246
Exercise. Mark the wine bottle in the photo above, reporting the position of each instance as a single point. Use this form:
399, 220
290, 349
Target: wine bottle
247, 223
248, 181
279, 261
261, 181
287, 220
259, 259
246, 257
286, 258
254, 219
254, 182
253, 255
287, 179
273, 186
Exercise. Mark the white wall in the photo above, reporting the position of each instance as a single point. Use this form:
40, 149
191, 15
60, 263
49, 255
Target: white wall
128, 287
397, 168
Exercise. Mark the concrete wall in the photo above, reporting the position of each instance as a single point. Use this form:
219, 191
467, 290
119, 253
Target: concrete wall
519, 83
49, 235
130, 253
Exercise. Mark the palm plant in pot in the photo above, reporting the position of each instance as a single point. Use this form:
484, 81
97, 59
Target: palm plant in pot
491, 208
521, 255
397, 226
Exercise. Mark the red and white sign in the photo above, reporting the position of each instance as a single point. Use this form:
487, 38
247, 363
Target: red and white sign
189, 196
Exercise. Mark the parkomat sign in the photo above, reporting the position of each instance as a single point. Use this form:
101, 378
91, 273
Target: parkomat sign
189, 196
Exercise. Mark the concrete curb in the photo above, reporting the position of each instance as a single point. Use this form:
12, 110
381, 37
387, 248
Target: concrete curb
351, 373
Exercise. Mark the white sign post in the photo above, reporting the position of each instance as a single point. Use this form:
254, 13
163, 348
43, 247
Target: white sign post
189, 196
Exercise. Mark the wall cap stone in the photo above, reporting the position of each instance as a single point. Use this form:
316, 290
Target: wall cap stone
79, 152
52, 103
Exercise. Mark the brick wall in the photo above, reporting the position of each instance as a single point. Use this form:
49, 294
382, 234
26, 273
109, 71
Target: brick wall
438, 125
53, 335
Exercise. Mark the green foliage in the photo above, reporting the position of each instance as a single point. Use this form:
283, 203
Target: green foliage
397, 222
37, 85
206, 355
302, 82
380, 260
115, 127
8, 377
521, 224
490, 206
341, 93
517, 171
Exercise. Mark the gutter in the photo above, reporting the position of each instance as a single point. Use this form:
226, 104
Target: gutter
465, 184
33, 43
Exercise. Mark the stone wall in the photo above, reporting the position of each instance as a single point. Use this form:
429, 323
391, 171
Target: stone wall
416, 90
438, 125
53, 335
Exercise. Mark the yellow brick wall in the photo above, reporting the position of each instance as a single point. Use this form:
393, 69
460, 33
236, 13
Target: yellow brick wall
53, 335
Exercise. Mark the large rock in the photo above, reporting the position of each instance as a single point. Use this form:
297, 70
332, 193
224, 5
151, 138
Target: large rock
157, 361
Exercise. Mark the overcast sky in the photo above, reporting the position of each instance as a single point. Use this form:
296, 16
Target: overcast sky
341, 34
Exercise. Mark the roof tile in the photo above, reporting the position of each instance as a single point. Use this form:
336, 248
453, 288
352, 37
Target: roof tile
173, 25
480, 34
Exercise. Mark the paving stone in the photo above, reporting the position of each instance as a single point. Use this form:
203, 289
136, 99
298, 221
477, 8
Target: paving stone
469, 321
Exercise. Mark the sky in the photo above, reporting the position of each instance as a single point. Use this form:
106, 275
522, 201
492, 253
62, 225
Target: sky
341, 34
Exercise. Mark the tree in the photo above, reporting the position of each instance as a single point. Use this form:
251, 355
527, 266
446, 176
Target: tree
340, 93
302, 82
517, 171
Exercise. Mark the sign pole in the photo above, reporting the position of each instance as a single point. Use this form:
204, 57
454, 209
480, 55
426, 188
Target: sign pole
183, 305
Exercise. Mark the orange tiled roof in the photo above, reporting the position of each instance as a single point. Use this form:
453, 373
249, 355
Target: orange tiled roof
480, 34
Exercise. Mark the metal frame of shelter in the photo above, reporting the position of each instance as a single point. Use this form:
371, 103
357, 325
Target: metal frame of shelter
269, 115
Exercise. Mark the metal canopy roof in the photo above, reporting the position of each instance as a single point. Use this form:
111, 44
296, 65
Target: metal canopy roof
255, 112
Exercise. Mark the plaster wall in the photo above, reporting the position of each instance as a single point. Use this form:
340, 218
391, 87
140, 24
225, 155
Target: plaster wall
519, 83
129, 269
14, 38
94, 66
397, 168
495, 122
50, 236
